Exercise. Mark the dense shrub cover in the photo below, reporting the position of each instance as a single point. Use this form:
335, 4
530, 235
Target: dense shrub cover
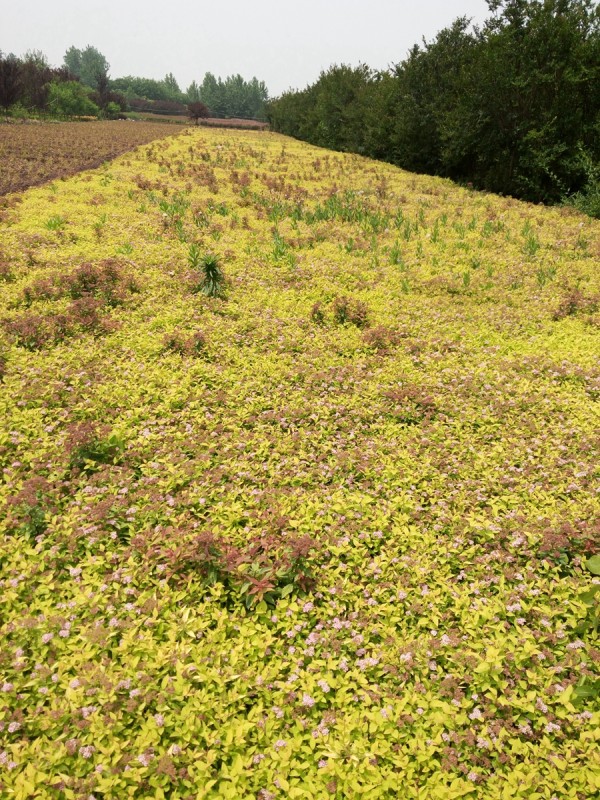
37, 153
511, 107
332, 532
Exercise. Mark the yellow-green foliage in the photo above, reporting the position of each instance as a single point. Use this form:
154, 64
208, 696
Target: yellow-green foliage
322, 535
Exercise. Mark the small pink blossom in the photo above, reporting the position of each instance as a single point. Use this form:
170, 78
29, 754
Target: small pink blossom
525, 729
320, 730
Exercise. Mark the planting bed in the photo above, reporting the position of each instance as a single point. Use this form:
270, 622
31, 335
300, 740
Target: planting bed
329, 533
34, 153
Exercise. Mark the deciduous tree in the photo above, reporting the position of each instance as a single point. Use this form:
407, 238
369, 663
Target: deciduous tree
88, 64
10, 77
198, 111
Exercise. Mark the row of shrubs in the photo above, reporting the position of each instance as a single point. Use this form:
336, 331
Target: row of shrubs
93, 288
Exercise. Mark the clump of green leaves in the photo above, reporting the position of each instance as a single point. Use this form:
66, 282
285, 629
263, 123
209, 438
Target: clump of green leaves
574, 302
258, 574
34, 521
350, 310
90, 446
178, 342
55, 223
396, 253
380, 338
587, 199
34, 331
106, 280
591, 598
544, 275
317, 313
7, 274
209, 278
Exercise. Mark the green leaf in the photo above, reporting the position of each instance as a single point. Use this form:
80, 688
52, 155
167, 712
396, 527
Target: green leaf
588, 597
593, 564
586, 690
287, 590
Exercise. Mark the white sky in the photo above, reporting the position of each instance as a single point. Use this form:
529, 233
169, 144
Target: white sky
284, 43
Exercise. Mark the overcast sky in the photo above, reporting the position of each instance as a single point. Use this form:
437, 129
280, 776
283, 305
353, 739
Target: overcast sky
285, 43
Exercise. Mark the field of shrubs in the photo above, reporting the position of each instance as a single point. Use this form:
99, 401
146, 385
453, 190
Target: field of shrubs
300, 482
35, 153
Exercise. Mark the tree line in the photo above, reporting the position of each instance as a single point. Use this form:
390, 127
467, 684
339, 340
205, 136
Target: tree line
512, 107
232, 96
79, 87
82, 86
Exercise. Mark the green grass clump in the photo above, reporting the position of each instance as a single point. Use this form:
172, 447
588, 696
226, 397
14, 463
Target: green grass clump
211, 279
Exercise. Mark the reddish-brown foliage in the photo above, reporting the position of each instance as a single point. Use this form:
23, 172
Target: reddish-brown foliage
33, 154
255, 124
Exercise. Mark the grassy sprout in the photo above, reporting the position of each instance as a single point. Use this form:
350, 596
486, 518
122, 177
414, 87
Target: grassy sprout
211, 279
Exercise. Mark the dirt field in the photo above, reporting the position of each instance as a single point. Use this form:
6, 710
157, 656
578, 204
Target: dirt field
32, 154
216, 122
254, 124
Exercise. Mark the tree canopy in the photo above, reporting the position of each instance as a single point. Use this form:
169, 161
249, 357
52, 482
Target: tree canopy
513, 107
88, 64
